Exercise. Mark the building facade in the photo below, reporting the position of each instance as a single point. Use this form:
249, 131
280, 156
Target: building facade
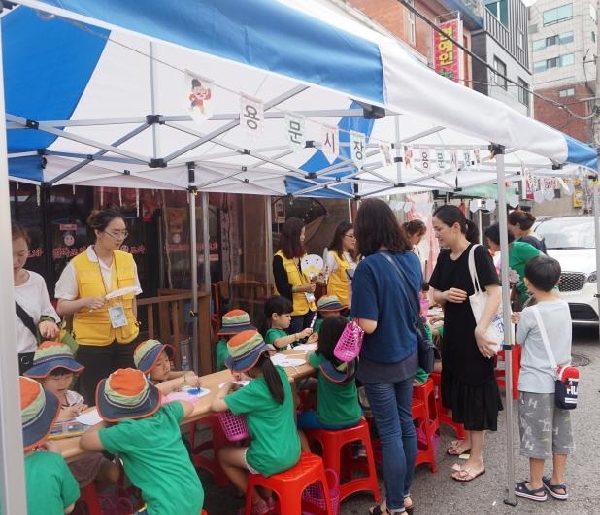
502, 45
563, 47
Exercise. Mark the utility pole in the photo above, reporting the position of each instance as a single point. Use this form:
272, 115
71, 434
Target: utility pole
596, 108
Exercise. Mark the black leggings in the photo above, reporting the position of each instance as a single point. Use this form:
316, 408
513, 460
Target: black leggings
99, 363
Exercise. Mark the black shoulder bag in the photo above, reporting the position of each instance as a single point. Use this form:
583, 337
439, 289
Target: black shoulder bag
426, 350
26, 358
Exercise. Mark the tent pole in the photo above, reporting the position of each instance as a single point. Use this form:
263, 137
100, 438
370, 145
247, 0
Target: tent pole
192, 192
269, 243
596, 206
12, 474
498, 150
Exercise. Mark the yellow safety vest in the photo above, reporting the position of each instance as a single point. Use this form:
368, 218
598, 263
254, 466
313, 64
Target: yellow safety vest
94, 327
338, 282
300, 304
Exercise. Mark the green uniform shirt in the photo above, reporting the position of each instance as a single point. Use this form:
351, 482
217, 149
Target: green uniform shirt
50, 484
337, 404
156, 461
318, 324
519, 254
222, 353
274, 334
274, 444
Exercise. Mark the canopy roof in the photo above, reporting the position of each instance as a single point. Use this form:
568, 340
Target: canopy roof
104, 101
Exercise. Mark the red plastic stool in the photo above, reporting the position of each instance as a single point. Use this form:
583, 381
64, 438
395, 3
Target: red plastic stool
426, 393
444, 413
420, 412
516, 369
89, 496
289, 485
332, 443
217, 442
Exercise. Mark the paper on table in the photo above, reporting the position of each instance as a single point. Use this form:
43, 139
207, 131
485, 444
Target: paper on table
120, 291
89, 417
240, 383
306, 346
185, 395
284, 361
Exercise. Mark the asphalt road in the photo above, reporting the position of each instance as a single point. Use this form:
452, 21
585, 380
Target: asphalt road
438, 494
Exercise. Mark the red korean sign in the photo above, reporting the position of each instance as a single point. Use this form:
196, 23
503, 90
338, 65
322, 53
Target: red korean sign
446, 57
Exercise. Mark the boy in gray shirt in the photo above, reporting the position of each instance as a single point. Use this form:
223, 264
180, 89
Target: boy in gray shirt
545, 430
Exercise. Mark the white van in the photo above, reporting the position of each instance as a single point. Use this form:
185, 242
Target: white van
571, 241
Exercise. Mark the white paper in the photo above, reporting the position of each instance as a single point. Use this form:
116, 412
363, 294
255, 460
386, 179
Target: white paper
184, 396
89, 418
306, 346
284, 361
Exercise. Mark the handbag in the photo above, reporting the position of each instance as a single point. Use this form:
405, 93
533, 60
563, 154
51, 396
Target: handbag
494, 331
566, 378
349, 343
426, 350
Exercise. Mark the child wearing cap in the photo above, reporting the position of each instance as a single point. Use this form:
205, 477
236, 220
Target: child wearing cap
50, 486
328, 306
55, 368
232, 322
337, 400
268, 404
278, 315
147, 437
154, 359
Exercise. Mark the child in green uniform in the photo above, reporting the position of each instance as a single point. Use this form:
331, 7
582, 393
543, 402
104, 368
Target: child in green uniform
337, 400
147, 438
232, 322
50, 485
268, 404
328, 306
278, 315
154, 359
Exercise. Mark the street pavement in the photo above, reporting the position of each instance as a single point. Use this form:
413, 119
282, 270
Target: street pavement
438, 494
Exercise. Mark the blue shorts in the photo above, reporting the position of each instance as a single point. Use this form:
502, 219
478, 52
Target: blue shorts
309, 420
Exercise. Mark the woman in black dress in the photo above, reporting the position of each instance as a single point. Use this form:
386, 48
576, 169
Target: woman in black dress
469, 388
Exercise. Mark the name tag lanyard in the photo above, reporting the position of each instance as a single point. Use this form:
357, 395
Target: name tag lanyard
116, 311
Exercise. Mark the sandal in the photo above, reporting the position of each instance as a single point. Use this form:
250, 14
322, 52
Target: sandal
377, 510
411, 507
259, 508
455, 448
522, 491
465, 474
552, 489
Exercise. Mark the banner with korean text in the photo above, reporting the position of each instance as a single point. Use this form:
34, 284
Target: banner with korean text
447, 58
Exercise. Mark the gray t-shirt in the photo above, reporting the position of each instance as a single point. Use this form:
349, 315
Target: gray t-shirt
536, 374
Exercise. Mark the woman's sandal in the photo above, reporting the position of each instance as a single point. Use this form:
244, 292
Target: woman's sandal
411, 507
455, 448
521, 490
465, 474
552, 489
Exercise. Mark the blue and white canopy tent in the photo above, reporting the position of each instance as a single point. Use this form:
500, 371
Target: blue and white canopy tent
95, 94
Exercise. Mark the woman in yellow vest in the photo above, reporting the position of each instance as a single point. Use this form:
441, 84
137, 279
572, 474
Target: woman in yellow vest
106, 329
290, 281
341, 262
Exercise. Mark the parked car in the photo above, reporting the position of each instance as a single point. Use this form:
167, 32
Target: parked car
571, 241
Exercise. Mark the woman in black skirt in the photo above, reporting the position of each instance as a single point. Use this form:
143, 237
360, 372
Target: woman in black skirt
469, 387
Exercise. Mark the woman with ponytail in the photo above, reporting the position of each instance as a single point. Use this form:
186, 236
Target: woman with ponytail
469, 388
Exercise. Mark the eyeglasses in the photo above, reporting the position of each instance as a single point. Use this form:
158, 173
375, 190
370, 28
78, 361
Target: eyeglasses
118, 235
351, 236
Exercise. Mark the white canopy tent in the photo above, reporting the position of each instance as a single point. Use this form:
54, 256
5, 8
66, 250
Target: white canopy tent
116, 79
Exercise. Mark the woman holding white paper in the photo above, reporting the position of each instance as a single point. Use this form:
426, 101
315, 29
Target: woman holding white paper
469, 388
98, 288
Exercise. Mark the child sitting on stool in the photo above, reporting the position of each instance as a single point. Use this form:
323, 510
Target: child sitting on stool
50, 487
147, 437
278, 315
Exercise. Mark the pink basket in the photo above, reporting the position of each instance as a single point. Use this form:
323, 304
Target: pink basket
350, 342
422, 443
234, 427
313, 493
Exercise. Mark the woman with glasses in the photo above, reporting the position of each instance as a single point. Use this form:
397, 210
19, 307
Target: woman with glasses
341, 262
105, 325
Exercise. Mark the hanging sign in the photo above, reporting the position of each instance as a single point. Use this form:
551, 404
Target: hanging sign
357, 148
252, 116
385, 152
294, 128
447, 58
330, 142
408, 158
198, 95
425, 160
